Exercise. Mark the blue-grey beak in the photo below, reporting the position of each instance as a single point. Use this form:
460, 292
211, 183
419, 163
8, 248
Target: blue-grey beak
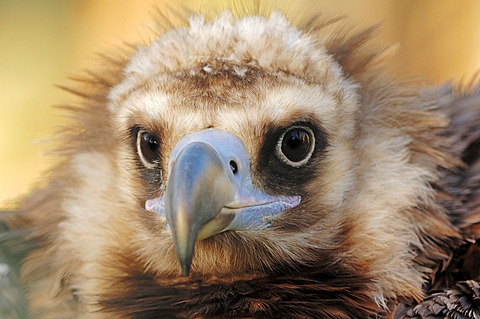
209, 190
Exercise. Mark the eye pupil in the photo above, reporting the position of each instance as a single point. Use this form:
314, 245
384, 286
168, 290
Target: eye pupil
297, 145
148, 147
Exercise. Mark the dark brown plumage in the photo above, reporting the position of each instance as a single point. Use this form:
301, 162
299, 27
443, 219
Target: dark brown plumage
336, 295
460, 301
248, 168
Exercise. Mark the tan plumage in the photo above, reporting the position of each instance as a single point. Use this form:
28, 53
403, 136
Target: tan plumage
389, 206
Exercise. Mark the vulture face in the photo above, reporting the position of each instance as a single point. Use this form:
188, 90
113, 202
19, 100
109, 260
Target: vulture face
230, 155
245, 167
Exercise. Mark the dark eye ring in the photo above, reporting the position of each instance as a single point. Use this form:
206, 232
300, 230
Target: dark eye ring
295, 146
148, 147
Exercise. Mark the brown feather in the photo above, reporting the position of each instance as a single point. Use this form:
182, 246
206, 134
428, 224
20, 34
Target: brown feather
303, 293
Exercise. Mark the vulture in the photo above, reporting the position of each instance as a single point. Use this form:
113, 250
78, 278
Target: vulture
245, 166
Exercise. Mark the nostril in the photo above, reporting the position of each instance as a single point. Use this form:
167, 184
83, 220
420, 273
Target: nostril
234, 167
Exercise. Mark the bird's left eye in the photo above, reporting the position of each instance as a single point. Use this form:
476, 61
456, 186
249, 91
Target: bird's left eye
295, 146
148, 147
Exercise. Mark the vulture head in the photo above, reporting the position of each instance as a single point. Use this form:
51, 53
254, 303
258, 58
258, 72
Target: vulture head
249, 167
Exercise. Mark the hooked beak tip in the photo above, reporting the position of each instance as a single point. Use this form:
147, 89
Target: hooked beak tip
184, 241
185, 268
184, 256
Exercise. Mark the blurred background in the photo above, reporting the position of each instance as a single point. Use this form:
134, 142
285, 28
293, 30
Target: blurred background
44, 42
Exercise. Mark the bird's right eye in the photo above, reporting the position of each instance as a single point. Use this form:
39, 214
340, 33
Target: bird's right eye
148, 148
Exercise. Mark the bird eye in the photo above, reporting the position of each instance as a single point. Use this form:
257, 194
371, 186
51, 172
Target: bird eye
148, 146
295, 146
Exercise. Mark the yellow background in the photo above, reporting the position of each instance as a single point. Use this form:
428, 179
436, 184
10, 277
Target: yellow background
44, 42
